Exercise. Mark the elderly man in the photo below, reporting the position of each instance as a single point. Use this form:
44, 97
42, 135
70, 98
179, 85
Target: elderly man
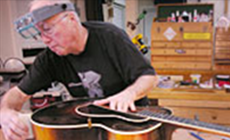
92, 59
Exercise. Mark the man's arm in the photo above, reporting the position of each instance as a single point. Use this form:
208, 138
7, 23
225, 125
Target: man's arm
125, 99
11, 104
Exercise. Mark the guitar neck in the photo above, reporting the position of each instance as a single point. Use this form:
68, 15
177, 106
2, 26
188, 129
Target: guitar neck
97, 111
188, 123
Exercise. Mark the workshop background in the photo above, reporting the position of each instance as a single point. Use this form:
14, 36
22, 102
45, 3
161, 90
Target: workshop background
186, 41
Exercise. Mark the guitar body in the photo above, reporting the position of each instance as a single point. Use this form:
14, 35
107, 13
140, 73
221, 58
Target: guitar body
90, 134
79, 120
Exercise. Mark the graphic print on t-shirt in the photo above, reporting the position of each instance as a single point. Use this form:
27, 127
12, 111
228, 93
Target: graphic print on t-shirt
90, 81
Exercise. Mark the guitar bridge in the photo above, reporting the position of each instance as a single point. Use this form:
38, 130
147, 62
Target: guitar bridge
89, 120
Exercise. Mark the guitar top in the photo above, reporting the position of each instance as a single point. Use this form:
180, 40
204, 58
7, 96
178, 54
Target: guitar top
65, 115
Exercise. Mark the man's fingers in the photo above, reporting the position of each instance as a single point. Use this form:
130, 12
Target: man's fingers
112, 105
116, 105
123, 107
19, 124
101, 102
11, 135
119, 107
16, 129
132, 107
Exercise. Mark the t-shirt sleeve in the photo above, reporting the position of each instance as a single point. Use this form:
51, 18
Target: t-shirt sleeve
39, 75
128, 60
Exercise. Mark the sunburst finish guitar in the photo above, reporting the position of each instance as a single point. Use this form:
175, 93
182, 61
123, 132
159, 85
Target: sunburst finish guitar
72, 120
81, 120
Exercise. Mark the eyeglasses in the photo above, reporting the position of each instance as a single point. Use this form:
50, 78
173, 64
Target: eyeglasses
49, 29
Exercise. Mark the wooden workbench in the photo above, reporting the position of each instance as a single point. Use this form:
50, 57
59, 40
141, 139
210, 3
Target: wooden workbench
208, 105
190, 94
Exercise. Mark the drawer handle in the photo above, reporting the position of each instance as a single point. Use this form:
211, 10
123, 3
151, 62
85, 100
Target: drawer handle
181, 29
180, 51
158, 29
214, 117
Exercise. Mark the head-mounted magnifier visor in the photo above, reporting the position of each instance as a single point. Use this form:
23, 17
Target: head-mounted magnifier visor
25, 25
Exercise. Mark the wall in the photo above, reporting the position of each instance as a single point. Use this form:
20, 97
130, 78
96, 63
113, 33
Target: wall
81, 5
122, 2
8, 47
131, 15
146, 24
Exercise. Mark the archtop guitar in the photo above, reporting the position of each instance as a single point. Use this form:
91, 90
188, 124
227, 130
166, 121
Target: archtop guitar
82, 120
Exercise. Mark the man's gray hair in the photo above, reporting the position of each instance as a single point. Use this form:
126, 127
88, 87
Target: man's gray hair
49, 2
52, 2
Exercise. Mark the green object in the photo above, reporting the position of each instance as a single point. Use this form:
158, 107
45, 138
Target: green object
165, 11
142, 15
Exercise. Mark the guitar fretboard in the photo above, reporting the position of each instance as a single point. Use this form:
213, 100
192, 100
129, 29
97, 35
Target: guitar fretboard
187, 122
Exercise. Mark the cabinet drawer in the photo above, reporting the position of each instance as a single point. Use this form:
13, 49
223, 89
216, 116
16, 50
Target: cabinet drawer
200, 27
159, 65
189, 65
223, 44
181, 59
166, 32
189, 44
157, 44
222, 31
222, 37
223, 50
192, 52
205, 52
195, 44
168, 52
181, 65
222, 56
205, 45
203, 66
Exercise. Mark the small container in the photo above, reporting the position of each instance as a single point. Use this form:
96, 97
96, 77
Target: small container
195, 78
223, 80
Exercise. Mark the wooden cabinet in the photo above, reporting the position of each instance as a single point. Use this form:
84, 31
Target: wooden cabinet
182, 45
222, 49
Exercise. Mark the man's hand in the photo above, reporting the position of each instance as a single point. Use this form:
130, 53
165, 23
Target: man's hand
122, 102
12, 126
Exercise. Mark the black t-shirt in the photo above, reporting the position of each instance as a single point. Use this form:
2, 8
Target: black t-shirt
109, 63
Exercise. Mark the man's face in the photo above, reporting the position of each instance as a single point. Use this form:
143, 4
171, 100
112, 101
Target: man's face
56, 34
56, 31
